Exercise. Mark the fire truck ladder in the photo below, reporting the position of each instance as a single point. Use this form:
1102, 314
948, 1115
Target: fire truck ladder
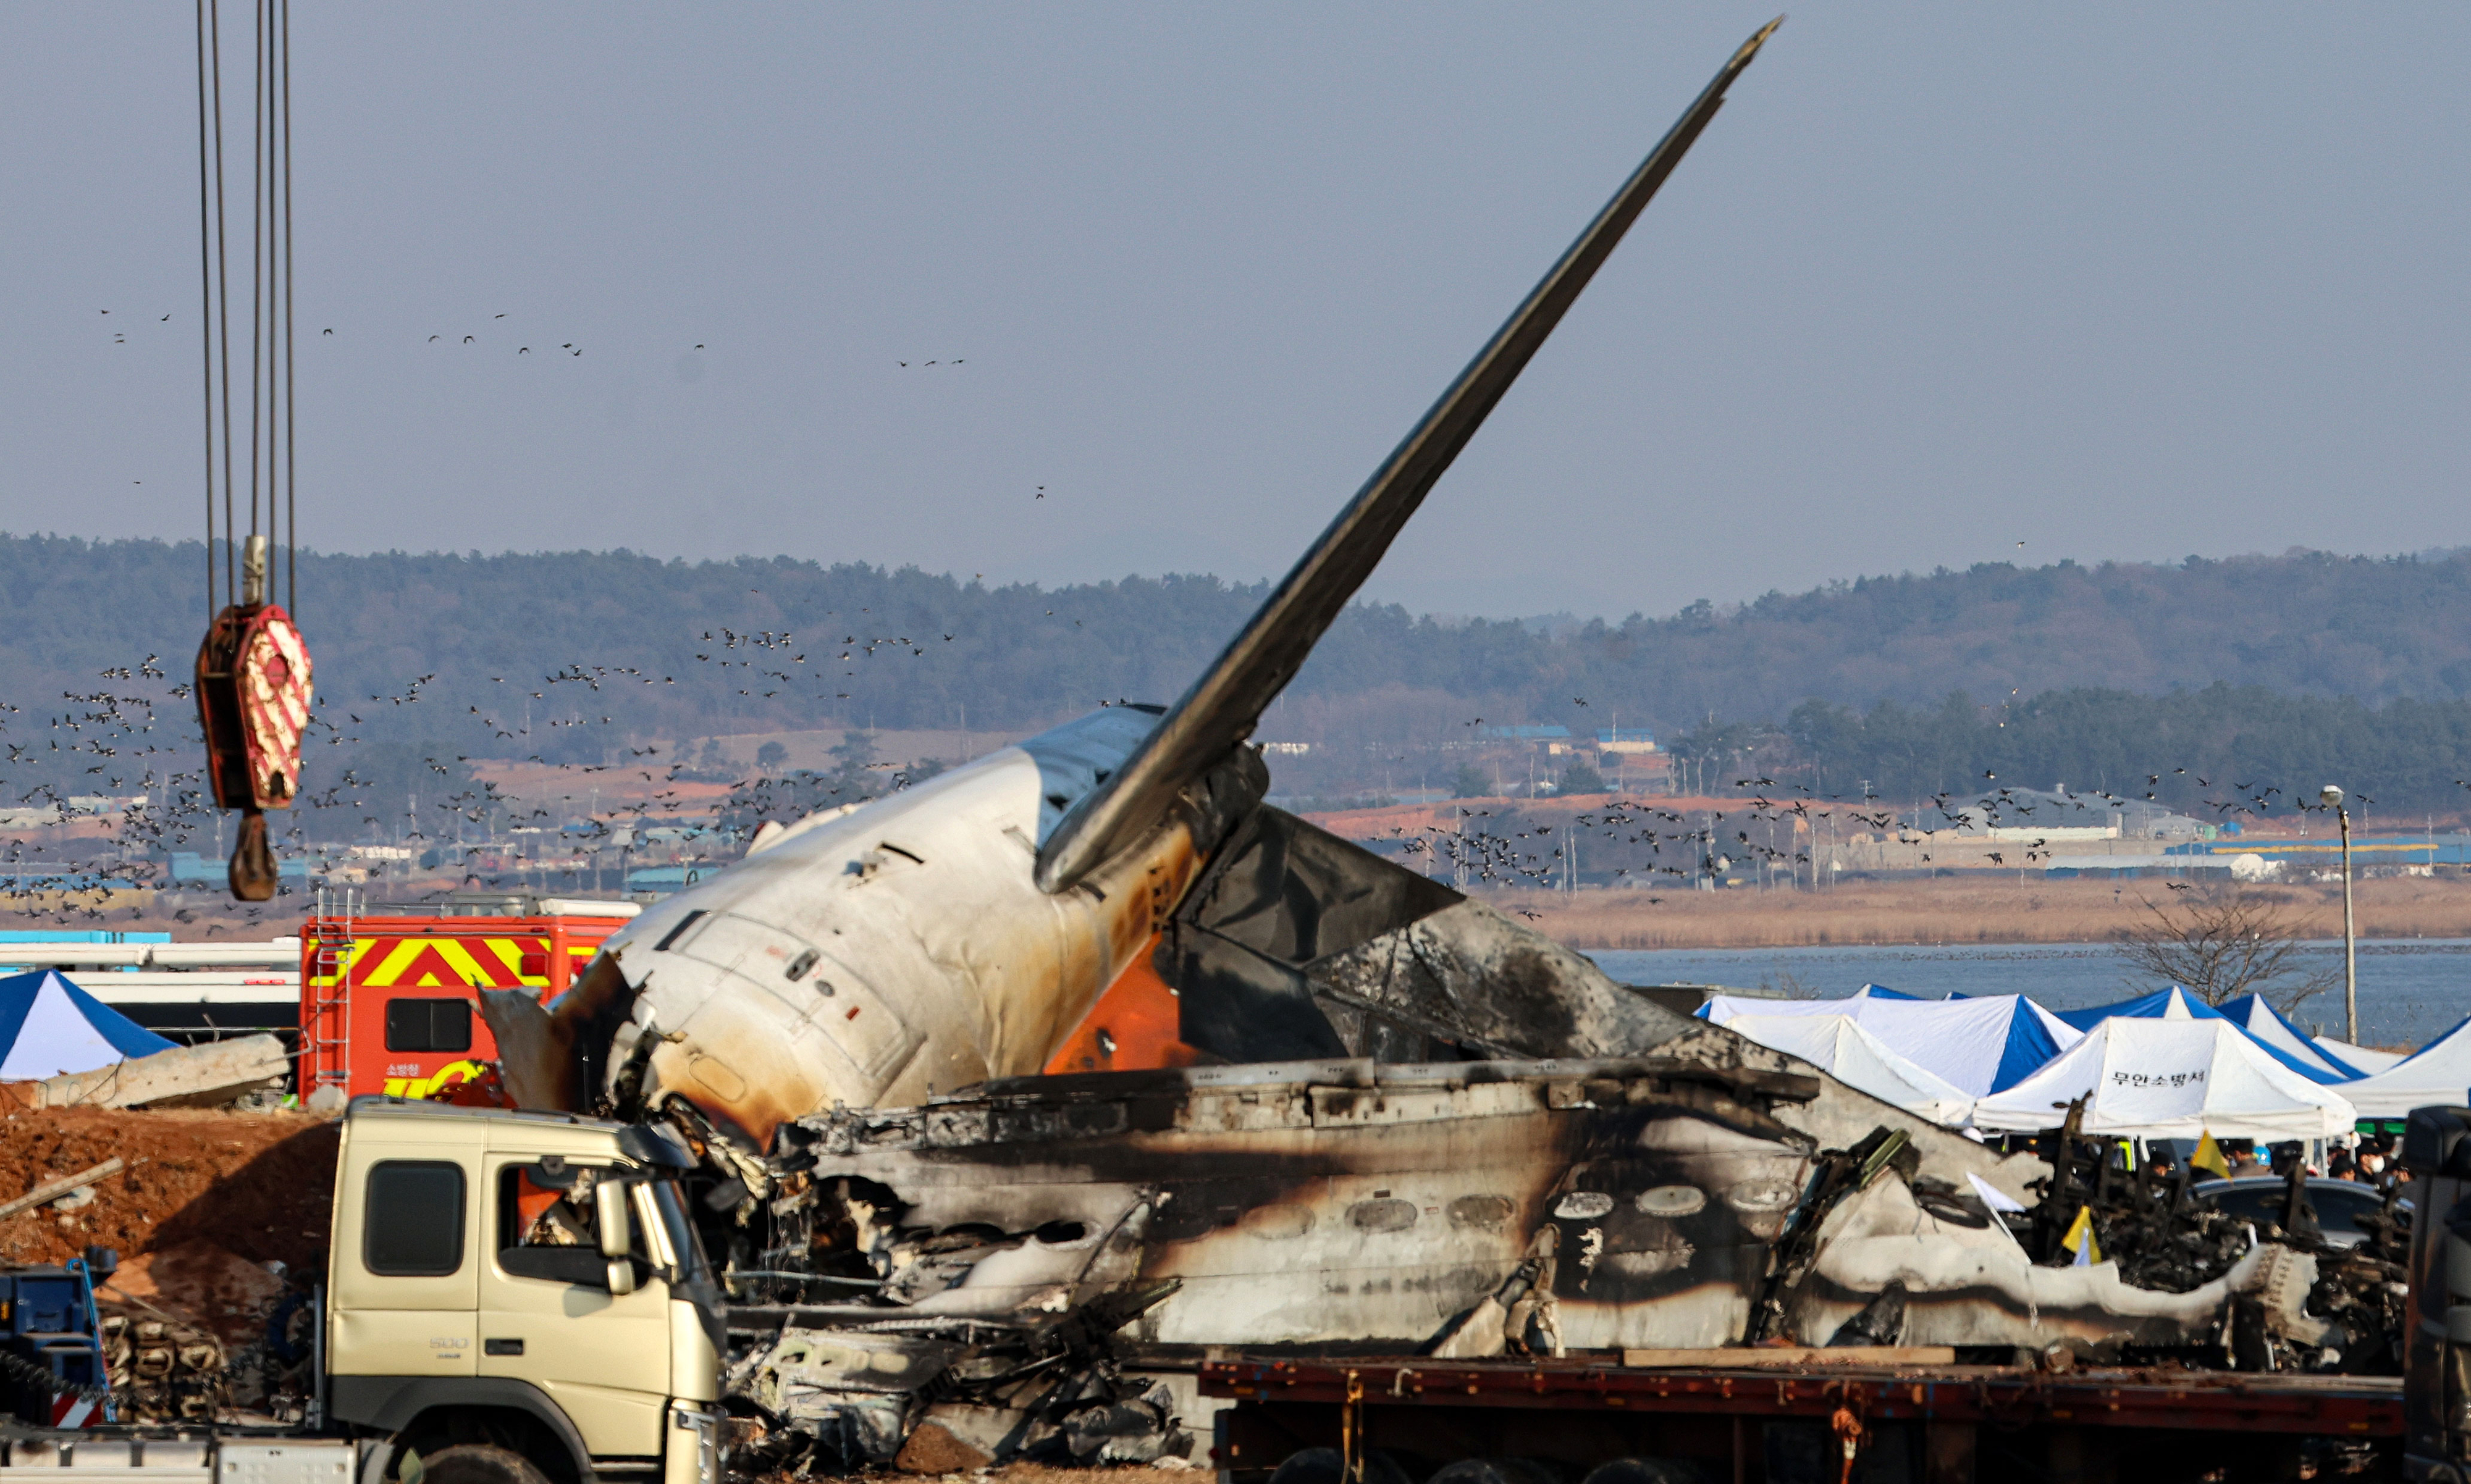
326, 991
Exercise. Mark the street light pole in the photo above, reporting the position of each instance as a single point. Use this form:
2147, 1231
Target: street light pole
2332, 797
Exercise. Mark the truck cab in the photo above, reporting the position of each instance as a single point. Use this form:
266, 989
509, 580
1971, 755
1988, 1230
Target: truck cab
518, 1298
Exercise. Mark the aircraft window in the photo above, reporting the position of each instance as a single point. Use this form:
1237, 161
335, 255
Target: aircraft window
429, 1025
412, 1217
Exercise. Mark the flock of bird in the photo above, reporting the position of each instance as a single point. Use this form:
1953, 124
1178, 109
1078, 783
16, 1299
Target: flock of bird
116, 741
1471, 848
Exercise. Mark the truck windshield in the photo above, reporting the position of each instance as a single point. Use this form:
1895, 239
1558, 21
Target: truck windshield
681, 1231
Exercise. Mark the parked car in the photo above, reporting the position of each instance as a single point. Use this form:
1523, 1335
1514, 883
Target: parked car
2339, 1203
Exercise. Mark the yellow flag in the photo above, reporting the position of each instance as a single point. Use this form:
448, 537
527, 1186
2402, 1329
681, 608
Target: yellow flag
2210, 1158
2080, 1239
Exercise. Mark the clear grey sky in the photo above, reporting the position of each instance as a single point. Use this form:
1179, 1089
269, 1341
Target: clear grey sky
2125, 281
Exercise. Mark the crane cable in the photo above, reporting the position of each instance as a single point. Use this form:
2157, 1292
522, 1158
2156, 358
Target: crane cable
253, 676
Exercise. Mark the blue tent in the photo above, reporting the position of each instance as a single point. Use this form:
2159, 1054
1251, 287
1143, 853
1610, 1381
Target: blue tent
49, 1026
2178, 1003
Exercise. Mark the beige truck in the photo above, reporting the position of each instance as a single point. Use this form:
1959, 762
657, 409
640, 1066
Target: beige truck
511, 1298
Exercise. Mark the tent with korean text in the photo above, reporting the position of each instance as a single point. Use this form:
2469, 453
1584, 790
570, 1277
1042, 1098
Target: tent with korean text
2178, 1003
2172, 1079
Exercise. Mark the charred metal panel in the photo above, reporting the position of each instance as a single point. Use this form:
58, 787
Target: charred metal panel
1297, 942
1469, 975
1237, 1004
1280, 895
1292, 892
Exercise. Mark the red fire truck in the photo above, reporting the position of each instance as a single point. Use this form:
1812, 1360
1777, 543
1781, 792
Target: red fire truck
389, 1000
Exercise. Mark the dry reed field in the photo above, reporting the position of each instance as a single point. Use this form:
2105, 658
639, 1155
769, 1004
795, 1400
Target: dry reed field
1981, 907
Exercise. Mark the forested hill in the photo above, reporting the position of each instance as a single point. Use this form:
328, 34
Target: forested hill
679, 649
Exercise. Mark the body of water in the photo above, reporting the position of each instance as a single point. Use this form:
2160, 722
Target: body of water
2409, 991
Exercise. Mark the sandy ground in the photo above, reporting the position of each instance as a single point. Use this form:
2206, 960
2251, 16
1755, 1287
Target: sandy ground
1982, 907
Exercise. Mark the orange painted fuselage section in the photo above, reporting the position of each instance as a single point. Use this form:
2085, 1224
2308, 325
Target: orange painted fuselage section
1134, 1025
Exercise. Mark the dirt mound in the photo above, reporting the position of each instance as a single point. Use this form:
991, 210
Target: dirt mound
259, 1186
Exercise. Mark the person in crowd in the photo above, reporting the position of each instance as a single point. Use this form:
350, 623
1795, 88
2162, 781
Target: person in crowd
2243, 1157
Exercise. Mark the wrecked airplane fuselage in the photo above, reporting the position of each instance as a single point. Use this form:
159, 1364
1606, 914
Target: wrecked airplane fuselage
1340, 1203
1455, 1210
898, 951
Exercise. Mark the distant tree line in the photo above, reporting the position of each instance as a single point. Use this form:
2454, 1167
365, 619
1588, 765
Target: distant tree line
2356, 668
2212, 752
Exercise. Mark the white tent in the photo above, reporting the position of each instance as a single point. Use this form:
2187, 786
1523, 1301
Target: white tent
1723, 1007
2173, 1080
2438, 1073
2360, 1056
1841, 1046
2256, 1015
1976, 1046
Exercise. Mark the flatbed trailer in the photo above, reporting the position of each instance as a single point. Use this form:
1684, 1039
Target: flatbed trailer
1925, 1423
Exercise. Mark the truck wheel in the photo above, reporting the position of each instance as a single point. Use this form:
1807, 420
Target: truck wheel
480, 1463
1496, 1470
1328, 1466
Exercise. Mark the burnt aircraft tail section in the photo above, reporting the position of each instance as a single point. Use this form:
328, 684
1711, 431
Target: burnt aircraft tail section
1222, 706
1298, 944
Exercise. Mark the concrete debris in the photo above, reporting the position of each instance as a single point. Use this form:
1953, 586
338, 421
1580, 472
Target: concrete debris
206, 1076
64, 1188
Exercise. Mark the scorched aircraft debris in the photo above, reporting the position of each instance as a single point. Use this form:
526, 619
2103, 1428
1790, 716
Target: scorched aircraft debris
1327, 1101
965, 929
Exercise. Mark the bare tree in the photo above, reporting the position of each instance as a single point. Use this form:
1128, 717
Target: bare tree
2222, 944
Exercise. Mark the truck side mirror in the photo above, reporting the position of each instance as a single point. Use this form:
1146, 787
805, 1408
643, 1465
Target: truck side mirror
612, 1215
